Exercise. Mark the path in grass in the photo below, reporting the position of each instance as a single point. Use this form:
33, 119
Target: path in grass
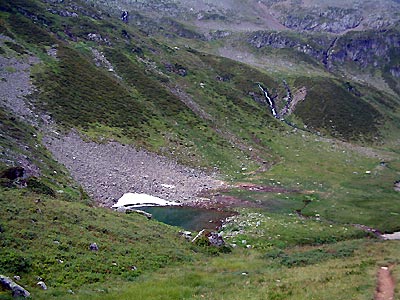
385, 286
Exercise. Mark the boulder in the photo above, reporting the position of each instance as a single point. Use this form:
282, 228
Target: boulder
215, 239
42, 285
129, 210
13, 173
397, 186
186, 234
93, 247
140, 212
17, 290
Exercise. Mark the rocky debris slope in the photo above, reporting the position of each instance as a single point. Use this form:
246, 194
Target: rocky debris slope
109, 170
15, 83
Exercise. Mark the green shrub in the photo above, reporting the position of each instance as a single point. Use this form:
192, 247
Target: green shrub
12, 262
37, 186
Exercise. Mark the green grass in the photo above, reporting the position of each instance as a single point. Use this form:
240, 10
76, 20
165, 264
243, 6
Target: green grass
38, 232
247, 275
261, 230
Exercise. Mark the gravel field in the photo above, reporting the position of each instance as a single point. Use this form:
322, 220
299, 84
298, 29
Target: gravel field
109, 170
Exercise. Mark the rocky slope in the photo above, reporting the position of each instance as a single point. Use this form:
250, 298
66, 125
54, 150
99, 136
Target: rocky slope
108, 170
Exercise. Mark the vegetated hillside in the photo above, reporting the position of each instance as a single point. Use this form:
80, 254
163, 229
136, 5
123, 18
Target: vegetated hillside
106, 79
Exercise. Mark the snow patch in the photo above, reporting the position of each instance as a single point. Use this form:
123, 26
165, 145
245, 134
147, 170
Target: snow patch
137, 200
391, 236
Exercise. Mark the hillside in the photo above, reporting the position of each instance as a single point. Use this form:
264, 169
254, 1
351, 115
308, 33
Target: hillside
283, 115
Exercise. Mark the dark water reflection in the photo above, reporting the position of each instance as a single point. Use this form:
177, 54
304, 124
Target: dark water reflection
189, 218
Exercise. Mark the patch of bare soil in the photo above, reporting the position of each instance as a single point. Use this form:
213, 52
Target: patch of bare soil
298, 96
264, 188
385, 285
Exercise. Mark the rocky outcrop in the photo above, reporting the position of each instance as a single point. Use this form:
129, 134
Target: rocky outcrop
63, 13
96, 37
367, 48
364, 48
17, 290
331, 19
282, 40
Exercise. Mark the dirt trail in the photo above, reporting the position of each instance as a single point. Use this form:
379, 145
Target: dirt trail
385, 285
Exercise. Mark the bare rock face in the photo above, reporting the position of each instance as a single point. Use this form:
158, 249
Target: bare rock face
279, 40
17, 290
331, 19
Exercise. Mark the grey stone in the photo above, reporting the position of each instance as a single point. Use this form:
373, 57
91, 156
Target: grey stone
93, 247
42, 285
17, 290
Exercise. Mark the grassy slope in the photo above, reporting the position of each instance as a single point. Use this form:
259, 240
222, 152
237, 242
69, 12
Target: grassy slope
64, 230
322, 171
348, 274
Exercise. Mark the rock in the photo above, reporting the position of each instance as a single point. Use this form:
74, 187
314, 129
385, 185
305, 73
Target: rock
397, 186
125, 16
140, 212
93, 247
13, 173
42, 285
186, 234
215, 239
16, 278
17, 290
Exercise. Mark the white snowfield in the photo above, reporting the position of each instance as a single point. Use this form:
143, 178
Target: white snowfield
137, 200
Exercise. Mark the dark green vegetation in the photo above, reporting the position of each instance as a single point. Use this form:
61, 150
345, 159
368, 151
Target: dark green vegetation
204, 110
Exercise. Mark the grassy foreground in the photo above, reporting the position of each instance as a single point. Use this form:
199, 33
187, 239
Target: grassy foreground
248, 274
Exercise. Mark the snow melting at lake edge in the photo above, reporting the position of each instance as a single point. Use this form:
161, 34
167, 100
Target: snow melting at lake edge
138, 200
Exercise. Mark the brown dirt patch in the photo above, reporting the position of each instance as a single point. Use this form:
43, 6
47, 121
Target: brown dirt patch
264, 188
385, 285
